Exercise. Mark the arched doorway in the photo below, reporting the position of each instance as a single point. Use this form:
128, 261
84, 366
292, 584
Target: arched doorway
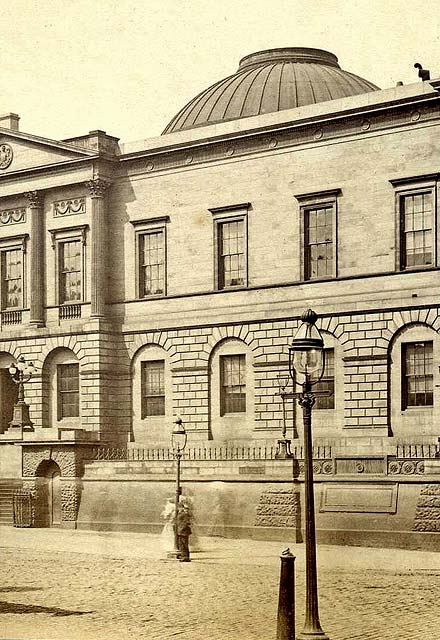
48, 494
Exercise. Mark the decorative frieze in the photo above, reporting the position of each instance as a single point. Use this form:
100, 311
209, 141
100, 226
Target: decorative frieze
69, 207
406, 467
289, 137
12, 216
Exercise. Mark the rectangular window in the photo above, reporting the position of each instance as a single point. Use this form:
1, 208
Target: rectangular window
327, 383
417, 375
416, 216
318, 242
68, 390
152, 263
233, 384
12, 279
153, 388
231, 254
70, 271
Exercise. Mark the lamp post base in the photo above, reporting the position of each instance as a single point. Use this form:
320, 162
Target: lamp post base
20, 417
312, 635
174, 555
283, 449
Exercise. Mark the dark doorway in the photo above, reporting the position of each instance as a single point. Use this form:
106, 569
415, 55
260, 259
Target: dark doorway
49, 495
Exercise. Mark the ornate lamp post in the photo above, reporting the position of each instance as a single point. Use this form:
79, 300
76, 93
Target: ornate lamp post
283, 445
178, 444
306, 360
21, 371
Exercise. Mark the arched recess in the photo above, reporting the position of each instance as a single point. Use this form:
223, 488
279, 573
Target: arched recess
231, 391
328, 412
8, 391
414, 383
48, 495
61, 386
151, 395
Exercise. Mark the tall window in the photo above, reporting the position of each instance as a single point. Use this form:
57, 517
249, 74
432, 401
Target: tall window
327, 383
152, 263
70, 271
417, 374
416, 212
68, 390
318, 242
153, 388
231, 254
12, 279
233, 384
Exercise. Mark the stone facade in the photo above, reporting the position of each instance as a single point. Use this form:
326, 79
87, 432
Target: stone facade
357, 156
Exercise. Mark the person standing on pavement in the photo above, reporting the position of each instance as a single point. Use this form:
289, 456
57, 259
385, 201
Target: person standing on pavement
183, 530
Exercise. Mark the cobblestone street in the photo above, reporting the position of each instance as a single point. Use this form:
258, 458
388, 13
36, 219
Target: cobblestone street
71, 585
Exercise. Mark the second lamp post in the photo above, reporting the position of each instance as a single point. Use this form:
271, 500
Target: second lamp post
306, 366
178, 444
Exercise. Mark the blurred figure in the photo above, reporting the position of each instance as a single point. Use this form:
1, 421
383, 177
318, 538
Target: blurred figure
183, 530
167, 535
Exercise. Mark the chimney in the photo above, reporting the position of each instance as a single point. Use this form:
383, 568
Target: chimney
9, 121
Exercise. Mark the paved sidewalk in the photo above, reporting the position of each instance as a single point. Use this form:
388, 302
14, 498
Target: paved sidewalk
80, 585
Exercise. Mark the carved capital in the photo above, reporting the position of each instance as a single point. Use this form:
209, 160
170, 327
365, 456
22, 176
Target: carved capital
97, 187
34, 200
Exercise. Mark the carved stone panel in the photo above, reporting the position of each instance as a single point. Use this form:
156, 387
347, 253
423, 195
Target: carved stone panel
428, 509
278, 508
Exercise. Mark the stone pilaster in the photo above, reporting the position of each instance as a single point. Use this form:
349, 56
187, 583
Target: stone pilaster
35, 208
98, 296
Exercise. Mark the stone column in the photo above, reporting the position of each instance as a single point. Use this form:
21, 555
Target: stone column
35, 208
98, 295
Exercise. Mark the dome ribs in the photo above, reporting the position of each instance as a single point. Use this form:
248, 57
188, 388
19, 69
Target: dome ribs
252, 102
271, 81
236, 101
271, 90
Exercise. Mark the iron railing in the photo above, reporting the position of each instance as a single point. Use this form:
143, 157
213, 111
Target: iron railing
223, 453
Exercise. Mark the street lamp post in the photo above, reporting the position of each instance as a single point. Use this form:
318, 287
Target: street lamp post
306, 360
21, 371
178, 444
283, 446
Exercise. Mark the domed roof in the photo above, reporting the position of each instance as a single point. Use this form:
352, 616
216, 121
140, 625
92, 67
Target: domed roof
269, 81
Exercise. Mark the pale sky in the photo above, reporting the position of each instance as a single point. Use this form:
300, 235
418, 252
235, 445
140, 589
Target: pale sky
127, 66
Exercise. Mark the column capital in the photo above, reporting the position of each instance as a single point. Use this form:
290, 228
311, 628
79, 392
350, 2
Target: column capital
97, 187
34, 199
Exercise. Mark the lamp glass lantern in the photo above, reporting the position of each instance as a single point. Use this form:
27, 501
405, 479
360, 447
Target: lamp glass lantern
178, 436
306, 352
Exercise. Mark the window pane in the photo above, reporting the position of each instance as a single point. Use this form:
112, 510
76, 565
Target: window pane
327, 383
153, 388
68, 390
70, 271
12, 279
417, 374
231, 262
318, 242
233, 384
416, 214
152, 263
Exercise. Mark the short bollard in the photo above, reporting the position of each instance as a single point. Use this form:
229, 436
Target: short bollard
286, 600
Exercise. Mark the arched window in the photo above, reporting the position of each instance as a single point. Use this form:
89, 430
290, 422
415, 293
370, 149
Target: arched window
151, 395
414, 379
61, 389
231, 391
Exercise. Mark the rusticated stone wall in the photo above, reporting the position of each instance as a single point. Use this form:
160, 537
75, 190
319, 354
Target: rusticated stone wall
428, 509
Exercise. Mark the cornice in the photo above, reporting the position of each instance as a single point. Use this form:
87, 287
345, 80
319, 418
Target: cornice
368, 119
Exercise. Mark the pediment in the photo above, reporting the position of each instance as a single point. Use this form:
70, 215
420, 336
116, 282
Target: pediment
20, 151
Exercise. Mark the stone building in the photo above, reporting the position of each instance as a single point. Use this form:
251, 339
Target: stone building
167, 277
